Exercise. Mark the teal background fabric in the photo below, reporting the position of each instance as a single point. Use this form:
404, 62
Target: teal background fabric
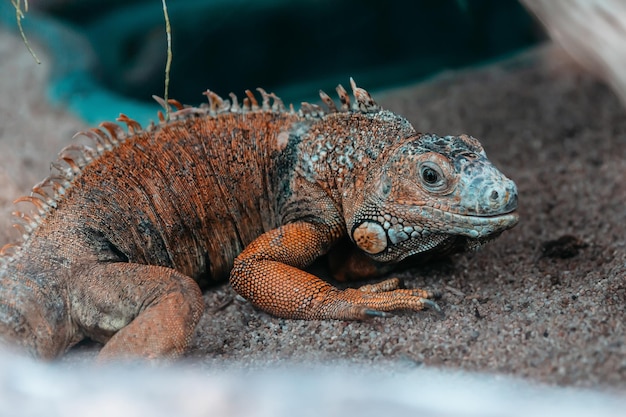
109, 57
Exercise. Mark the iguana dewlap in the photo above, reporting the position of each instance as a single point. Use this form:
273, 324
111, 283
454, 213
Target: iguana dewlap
122, 235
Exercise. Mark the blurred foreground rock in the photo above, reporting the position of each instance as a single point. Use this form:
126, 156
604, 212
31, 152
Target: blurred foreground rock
35, 389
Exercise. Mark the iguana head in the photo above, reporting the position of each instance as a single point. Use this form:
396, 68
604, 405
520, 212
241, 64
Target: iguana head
432, 193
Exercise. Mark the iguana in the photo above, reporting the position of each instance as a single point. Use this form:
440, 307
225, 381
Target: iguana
124, 233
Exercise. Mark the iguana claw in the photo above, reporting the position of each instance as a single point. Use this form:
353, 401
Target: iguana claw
431, 305
375, 313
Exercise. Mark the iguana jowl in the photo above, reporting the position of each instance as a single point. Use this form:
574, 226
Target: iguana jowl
124, 234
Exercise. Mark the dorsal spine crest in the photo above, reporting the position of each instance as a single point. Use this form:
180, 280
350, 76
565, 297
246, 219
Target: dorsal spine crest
73, 159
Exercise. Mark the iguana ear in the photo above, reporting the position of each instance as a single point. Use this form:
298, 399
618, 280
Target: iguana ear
383, 185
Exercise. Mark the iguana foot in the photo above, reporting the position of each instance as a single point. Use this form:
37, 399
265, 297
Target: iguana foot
376, 300
392, 286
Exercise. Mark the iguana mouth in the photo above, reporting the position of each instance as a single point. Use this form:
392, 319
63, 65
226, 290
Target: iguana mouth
509, 219
482, 227
506, 220
471, 226
495, 216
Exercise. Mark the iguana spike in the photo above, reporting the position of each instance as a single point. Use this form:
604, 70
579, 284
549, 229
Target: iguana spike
161, 102
207, 94
58, 185
75, 167
254, 104
332, 108
187, 112
39, 204
266, 99
39, 189
76, 162
132, 125
116, 134
223, 105
176, 104
8, 247
81, 154
216, 103
305, 109
78, 148
234, 107
23, 229
68, 170
363, 100
308, 109
278, 104
101, 137
100, 144
31, 222
343, 97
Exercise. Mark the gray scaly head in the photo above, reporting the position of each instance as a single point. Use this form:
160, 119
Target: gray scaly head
431, 193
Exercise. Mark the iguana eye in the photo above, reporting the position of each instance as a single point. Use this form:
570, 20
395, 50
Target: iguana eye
429, 175
432, 176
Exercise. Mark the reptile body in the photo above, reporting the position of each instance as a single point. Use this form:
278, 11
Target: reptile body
124, 234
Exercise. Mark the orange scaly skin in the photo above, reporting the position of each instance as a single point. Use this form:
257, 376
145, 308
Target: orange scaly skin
123, 235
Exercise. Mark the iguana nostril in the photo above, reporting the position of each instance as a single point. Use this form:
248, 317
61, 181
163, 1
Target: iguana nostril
494, 195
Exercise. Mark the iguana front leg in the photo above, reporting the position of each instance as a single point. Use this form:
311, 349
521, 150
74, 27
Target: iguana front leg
269, 274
